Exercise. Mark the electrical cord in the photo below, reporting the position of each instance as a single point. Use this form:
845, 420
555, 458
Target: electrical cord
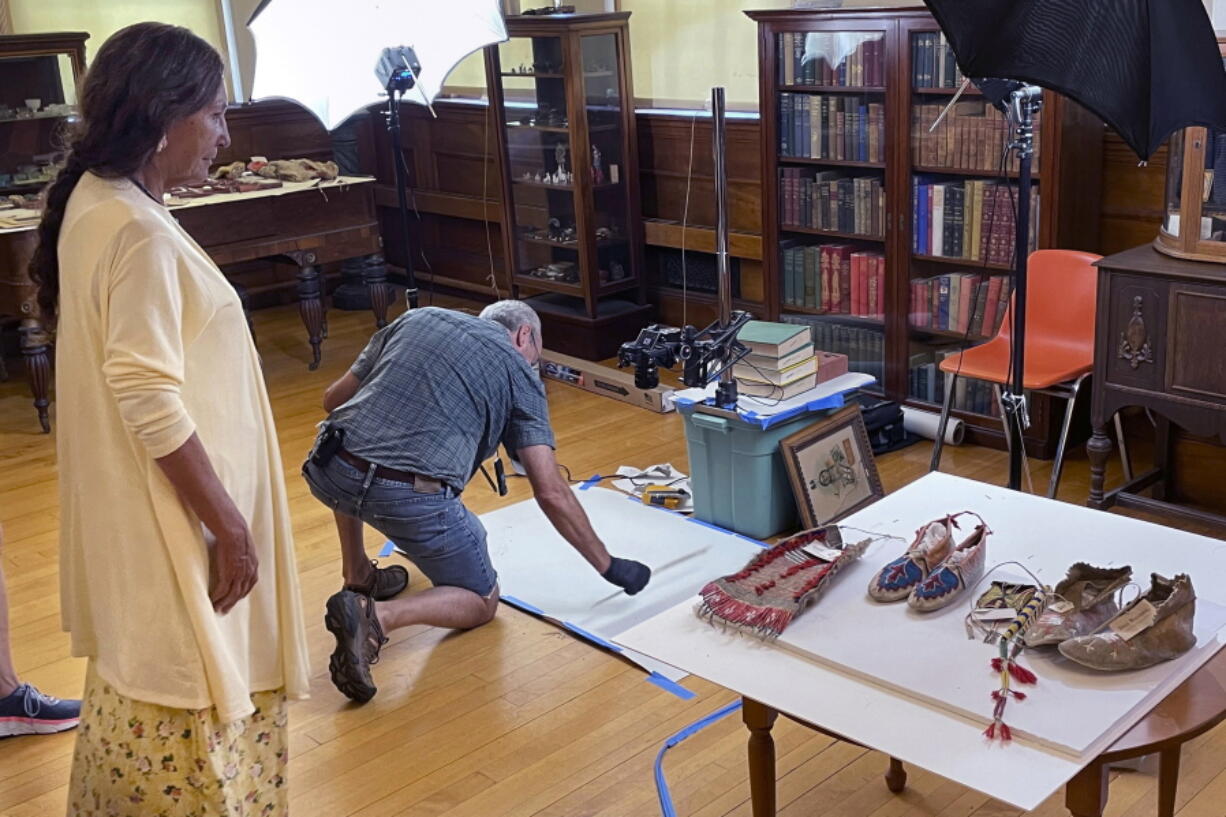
685, 213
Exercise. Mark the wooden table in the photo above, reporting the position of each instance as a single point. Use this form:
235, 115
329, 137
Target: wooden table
306, 224
1160, 332
871, 706
1197, 706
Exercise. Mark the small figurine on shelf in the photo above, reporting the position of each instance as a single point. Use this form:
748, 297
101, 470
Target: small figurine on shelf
617, 271
537, 177
597, 166
555, 230
559, 154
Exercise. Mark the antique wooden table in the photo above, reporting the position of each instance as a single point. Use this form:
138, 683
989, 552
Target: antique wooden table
1160, 329
306, 224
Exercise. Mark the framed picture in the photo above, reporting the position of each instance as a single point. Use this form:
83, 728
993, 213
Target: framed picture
831, 468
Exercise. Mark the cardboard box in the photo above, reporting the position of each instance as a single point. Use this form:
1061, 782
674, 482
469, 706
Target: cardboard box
830, 365
599, 379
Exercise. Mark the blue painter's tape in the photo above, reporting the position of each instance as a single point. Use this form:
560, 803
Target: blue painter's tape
387, 549
713, 526
589, 482
595, 639
522, 605
671, 686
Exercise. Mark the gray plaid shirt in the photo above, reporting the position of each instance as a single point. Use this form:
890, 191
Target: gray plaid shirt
440, 390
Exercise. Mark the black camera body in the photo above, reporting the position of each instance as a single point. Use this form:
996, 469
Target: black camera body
659, 346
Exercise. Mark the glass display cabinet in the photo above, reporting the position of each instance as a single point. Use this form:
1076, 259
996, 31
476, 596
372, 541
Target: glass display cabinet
560, 88
1194, 223
1194, 217
38, 81
38, 85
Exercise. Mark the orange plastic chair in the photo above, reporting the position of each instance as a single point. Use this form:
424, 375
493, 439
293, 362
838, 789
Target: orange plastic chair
1062, 293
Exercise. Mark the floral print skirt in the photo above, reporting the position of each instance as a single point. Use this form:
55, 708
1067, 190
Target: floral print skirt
135, 758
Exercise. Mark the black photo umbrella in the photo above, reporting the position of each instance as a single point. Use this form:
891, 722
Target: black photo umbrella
1145, 67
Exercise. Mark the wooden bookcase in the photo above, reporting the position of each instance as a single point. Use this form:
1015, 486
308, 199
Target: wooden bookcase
849, 164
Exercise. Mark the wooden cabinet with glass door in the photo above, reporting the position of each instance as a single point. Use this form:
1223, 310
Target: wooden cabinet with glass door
561, 89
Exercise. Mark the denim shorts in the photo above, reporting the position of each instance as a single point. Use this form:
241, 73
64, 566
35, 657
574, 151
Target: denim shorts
435, 531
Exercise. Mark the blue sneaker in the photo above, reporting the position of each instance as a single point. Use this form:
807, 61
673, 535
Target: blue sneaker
26, 711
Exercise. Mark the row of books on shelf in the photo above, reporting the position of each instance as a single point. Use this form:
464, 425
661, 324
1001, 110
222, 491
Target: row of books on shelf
972, 220
864, 347
817, 58
933, 64
831, 200
827, 126
969, 303
970, 136
926, 381
835, 278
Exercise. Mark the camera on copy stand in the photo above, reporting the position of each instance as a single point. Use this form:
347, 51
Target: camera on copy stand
704, 354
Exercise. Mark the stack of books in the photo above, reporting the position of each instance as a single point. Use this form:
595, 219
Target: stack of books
780, 364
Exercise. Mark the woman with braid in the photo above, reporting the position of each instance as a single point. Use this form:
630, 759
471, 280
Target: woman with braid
177, 572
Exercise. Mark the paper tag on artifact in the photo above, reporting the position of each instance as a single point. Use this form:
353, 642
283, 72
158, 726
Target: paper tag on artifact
822, 552
994, 613
1060, 606
1129, 624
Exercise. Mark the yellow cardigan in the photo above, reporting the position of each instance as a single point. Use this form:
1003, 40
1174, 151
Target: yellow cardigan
152, 345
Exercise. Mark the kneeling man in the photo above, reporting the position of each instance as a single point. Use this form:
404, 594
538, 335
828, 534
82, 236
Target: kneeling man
429, 399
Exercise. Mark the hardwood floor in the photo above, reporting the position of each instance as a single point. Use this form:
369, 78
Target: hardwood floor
515, 718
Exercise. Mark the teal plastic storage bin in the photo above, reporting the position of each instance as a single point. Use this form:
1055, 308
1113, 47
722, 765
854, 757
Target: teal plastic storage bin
737, 473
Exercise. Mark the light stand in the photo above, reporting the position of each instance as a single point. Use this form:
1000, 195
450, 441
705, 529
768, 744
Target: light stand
401, 68
725, 392
1020, 102
1025, 102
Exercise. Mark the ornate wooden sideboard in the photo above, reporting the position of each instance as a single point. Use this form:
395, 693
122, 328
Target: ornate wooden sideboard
1161, 344
304, 225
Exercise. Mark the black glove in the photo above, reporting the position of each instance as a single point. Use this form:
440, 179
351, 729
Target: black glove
627, 574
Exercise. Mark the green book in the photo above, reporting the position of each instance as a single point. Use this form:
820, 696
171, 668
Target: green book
772, 339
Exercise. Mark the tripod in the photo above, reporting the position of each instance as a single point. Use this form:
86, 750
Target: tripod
399, 80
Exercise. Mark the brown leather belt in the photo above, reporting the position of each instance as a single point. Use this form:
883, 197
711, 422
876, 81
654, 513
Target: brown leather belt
421, 484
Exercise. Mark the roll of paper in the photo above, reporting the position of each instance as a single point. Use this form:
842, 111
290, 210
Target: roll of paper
926, 423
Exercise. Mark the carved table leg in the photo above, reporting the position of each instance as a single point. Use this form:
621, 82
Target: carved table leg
1168, 780
896, 777
34, 346
374, 273
760, 719
311, 307
1086, 794
1163, 443
1098, 449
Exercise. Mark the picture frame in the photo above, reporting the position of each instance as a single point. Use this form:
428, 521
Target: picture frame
831, 468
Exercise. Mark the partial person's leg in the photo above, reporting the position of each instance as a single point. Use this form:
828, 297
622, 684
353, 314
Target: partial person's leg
452, 607
23, 709
8, 673
355, 565
177, 761
361, 574
447, 543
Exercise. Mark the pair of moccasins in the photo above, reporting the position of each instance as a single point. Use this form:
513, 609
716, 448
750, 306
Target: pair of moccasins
1084, 620
935, 570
